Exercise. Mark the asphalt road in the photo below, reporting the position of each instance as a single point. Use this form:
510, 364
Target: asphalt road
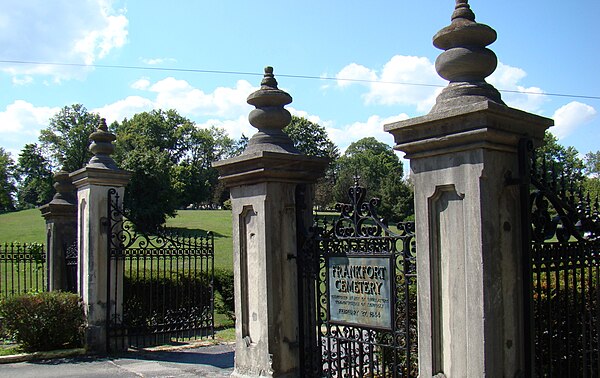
210, 361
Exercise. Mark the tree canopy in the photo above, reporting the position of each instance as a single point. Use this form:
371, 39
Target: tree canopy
311, 139
7, 185
380, 171
171, 164
35, 177
67, 137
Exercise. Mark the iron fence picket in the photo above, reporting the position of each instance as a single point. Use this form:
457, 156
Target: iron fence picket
22, 268
562, 242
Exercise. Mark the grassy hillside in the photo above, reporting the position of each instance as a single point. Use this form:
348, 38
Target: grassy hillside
217, 221
25, 226
28, 226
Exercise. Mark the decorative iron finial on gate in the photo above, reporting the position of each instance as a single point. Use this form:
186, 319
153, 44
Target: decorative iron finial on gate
270, 117
102, 147
466, 61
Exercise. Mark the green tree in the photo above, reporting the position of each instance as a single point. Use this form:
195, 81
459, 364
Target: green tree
67, 136
7, 184
592, 169
150, 196
171, 160
166, 130
199, 180
35, 177
312, 140
150, 145
592, 163
564, 159
380, 172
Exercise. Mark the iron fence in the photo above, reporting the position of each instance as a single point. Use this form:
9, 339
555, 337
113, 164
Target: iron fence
22, 268
562, 229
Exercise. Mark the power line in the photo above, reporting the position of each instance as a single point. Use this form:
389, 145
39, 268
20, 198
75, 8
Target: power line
244, 73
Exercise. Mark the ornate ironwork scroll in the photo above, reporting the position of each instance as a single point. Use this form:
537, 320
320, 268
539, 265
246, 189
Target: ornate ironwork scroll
345, 263
166, 279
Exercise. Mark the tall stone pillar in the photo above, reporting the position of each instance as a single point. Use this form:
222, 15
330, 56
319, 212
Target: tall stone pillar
93, 183
61, 232
462, 154
264, 182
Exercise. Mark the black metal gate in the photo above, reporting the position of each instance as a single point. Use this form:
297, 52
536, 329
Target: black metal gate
562, 270
358, 294
160, 287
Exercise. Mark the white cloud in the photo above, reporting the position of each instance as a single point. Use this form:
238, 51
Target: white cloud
65, 31
373, 127
311, 117
157, 61
227, 102
386, 90
125, 108
21, 122
392, 86
353, 72
22, 80
508, 78
570, 117
141, 84
225, 107
234, 127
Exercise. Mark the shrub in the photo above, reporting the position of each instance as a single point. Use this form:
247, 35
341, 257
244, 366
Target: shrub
224, 286
44, 321
151, 300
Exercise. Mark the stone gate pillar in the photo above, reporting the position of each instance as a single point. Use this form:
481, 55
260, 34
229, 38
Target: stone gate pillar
93, 183
264, 182
61, 231
463, 159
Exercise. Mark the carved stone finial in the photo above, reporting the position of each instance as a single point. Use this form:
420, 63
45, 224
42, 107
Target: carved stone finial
463, 10
268, 81
102, 147
466, 61
270, 117
65, 190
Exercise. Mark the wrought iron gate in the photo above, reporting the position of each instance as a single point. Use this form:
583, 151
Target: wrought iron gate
562, 270
160, 287
358, 294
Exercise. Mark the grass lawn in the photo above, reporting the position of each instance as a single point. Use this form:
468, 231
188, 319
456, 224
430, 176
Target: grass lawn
217, 221
26, 226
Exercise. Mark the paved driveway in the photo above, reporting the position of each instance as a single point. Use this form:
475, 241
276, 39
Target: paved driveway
210, 361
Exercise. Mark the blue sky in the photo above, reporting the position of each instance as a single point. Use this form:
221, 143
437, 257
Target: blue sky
543, 47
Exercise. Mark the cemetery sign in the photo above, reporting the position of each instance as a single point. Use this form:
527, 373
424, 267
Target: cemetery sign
360, 290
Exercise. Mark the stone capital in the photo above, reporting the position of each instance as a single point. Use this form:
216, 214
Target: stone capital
485, 124
268, 166
56, 211
88, 176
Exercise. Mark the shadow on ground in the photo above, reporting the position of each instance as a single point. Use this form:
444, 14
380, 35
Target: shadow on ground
213, 356
219, 356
